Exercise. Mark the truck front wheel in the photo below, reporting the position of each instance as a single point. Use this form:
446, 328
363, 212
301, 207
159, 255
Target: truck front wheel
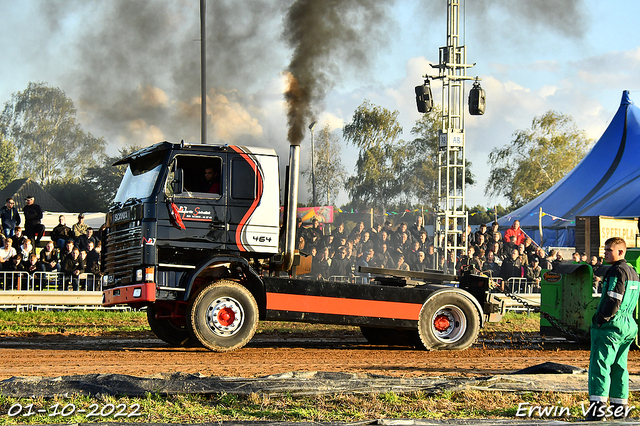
448, 321
223, 316
168, 331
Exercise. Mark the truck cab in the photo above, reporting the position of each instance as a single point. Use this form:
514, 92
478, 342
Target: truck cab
167, 219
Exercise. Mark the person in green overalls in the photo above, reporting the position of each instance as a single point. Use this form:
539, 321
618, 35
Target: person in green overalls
613, 329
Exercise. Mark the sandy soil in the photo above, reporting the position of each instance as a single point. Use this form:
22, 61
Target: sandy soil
143, 354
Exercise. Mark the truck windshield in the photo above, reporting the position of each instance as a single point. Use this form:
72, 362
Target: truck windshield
138, 186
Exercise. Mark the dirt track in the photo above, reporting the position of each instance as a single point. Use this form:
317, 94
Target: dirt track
142, 354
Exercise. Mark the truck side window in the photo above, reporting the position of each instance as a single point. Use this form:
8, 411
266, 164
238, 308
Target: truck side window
243, 180
203, 177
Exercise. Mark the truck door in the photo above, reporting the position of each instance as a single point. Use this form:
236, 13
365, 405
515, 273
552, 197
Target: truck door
202, 202
253, 201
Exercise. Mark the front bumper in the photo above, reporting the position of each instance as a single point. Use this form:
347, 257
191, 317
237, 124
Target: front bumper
129, 294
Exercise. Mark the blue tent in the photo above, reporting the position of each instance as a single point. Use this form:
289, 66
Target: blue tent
605, 183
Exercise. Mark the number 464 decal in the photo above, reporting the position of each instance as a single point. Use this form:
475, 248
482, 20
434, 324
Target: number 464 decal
261, 239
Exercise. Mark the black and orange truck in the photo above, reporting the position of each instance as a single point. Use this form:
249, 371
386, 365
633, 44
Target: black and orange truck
208, 265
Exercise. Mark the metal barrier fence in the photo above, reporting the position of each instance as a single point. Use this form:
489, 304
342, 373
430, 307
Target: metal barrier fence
50, 290
49, 281
516, 285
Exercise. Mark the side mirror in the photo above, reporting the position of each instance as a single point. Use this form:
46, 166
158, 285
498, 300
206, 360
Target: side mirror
178, 182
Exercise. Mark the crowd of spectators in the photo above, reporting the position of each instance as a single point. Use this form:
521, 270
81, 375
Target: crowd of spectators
71, 250
410, 248
339, 254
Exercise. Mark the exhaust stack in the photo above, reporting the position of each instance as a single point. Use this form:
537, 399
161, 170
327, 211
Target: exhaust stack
292, 206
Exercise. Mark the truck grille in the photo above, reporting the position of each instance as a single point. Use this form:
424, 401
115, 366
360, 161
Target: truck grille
123, 252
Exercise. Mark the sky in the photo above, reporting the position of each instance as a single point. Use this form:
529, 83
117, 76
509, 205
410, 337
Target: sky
132, 66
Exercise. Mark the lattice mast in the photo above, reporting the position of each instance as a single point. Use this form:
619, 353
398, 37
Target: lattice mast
451, 218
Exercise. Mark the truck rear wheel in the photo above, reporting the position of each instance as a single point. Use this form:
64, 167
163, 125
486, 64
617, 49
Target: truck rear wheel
168, 331
448, 321
223, 316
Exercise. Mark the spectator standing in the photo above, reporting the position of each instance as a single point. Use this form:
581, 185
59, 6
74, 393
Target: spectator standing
33, 228
339, 235
7, 251
68, 248
33, 264
79, 228
83, 240
417, 228
401, 265
558, 260
413, 257
10, 217
613, 330
511, 266
18, 238
494, 231
490, 267
61, 233
14, 264
50, 257
530, 248
384, 258
516, 231
544, 262
482, 230
340, 264
25, 249
324, 265
430, 258
533, 274
73, 266
364, 260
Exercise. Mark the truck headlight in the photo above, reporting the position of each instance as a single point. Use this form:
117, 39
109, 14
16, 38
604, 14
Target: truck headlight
138, 275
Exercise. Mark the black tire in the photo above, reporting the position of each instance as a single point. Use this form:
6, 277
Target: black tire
449, 321
223, 316
168, 331
391, 336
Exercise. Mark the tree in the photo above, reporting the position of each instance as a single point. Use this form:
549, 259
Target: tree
8, 164
420, 177
105, 179
375, 130
95, 190
330, 173
481, 214
537, 158
41, 123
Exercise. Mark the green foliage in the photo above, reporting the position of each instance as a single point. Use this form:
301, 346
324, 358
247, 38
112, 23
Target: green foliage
106, 177
95, 190
41, 123
329, 171
75, 194
420, 178
481, 214
537, 158
375, 131
8, 163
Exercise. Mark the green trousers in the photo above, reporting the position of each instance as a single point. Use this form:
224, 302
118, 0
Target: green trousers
608, 374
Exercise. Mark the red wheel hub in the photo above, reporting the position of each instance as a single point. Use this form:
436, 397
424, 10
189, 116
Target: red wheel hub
226, 317
441, 323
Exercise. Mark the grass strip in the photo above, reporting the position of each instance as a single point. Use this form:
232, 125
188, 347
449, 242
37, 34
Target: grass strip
328, 408
95, 322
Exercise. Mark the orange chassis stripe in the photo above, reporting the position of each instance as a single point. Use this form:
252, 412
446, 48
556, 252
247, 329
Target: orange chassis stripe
341, 306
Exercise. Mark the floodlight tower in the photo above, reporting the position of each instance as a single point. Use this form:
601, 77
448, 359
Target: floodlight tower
450, 215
